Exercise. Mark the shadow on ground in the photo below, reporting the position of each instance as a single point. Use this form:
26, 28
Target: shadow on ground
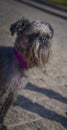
6, 54
48, 92
40, 109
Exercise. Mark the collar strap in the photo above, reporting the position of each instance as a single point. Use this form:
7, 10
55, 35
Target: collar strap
20, 59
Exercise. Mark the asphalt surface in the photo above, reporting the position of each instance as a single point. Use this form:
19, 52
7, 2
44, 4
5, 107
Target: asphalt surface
42, 102
48, 8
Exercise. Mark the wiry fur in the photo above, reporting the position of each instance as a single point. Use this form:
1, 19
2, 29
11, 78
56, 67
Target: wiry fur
33, 43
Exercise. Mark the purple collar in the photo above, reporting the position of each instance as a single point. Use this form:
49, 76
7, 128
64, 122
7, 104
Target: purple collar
20, 59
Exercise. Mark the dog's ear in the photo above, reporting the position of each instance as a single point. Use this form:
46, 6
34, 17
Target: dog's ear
18, 26
13, 28
50, 32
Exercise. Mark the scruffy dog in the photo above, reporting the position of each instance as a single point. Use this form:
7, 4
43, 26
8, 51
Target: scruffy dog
32, 48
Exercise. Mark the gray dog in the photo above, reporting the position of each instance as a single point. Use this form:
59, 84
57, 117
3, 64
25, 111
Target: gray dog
32, 48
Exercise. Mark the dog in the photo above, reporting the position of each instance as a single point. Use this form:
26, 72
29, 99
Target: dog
32, 48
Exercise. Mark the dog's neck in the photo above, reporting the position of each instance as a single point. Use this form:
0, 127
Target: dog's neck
20, 59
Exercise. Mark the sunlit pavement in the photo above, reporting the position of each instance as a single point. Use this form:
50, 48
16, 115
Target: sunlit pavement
42, 101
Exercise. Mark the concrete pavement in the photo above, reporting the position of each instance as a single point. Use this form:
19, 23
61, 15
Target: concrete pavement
42, 101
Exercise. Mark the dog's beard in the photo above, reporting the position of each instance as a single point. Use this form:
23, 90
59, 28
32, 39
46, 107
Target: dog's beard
39, 53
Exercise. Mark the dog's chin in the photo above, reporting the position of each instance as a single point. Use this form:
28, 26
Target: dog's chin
43, 58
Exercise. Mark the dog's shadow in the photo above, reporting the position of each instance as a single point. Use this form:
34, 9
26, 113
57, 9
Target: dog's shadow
5, 50
6, 56
5, 53
27, 104
3, 127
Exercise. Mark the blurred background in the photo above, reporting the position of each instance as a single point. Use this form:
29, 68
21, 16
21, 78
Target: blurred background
59, 3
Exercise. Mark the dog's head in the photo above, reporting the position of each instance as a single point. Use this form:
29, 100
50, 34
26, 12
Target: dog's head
33, 41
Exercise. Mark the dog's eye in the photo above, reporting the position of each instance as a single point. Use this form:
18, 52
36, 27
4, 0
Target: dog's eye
33, 36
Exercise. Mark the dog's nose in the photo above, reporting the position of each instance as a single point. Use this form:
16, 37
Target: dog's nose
43, 40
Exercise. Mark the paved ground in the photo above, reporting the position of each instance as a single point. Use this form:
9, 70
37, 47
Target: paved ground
42, 101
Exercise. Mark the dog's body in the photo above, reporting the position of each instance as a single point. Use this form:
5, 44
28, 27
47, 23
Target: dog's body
33, 44
10, 77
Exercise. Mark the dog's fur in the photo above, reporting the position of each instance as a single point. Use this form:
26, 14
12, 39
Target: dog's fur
33, 43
